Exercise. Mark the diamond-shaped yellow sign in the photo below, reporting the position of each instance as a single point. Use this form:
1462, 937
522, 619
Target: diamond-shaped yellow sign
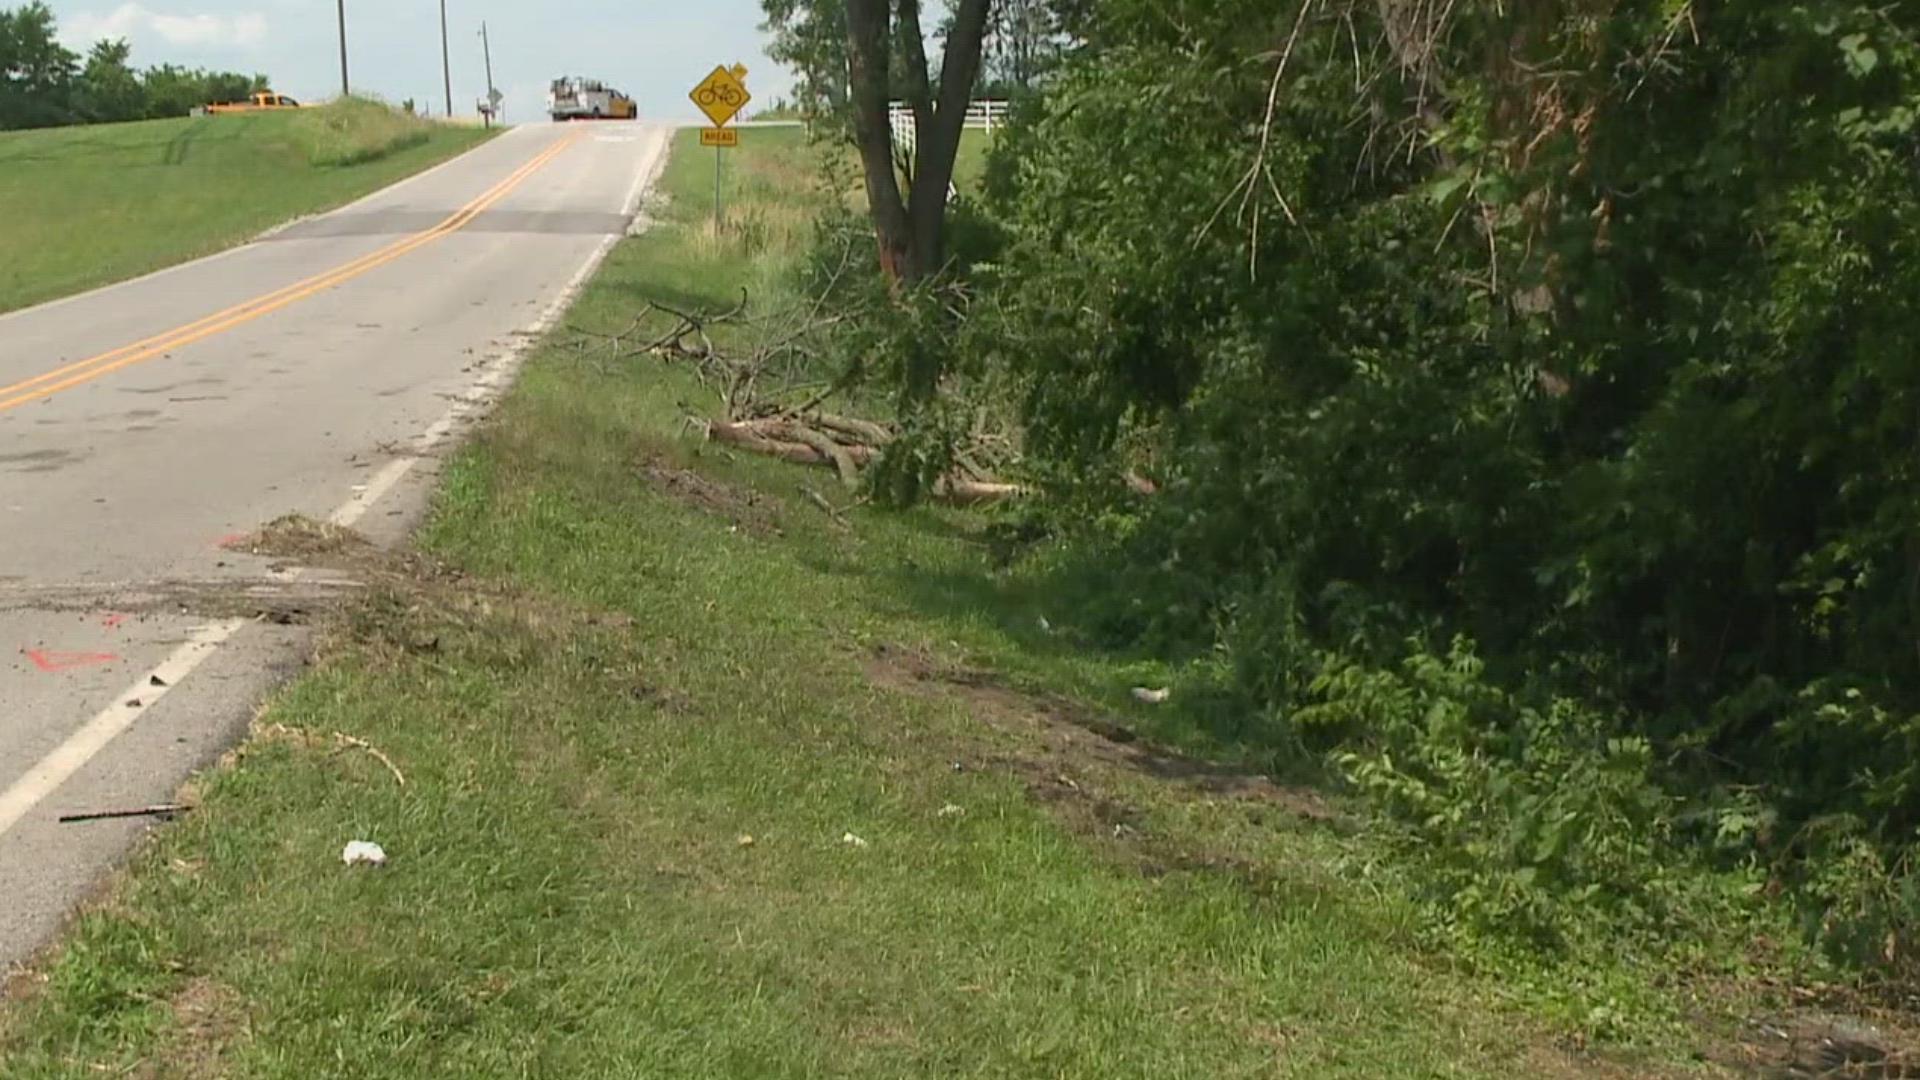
721, 96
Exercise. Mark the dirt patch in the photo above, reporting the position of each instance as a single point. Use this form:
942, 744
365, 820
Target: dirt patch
208, 1018
745, 508
1813, 1045
296, 536
1072, 734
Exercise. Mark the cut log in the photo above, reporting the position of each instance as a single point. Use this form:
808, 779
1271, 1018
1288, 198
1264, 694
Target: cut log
778, 439
962, 491
841, 456
747, 438
862, 431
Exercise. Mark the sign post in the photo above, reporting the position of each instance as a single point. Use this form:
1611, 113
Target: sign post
721, 95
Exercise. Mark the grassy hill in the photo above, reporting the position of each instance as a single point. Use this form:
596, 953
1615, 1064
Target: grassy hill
85, 206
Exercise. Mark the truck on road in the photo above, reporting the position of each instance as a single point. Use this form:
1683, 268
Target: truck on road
574, 98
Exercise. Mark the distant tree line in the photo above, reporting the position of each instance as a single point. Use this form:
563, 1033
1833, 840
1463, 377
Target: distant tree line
45, 84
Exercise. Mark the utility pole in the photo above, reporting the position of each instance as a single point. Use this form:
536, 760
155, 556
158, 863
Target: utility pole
486, 50
342, 6
446, 70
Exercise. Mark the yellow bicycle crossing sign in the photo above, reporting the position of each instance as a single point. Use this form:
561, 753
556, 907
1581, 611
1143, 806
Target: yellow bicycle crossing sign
721, 95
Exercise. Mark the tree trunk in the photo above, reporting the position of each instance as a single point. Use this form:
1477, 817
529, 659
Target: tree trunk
911, 229
937, 144
867, 25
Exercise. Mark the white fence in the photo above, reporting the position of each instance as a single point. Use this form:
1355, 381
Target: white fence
984, 115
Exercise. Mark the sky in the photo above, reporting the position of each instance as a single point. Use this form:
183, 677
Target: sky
654, 50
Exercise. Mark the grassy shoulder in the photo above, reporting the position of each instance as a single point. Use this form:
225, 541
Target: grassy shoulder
86, 206
703, 781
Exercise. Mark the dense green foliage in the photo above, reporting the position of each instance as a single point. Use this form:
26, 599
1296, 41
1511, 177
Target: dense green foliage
1580, 334
45, 84
1531, 396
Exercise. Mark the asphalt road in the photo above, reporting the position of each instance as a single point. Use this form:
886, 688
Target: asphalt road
145, 425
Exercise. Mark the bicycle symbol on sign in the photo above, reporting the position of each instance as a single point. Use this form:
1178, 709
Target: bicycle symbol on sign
720, 95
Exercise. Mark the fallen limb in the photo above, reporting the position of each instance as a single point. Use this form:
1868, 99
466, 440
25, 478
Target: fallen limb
759, 419
833, 512
346, 740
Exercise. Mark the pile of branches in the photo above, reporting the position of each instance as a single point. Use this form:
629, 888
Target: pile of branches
773, 401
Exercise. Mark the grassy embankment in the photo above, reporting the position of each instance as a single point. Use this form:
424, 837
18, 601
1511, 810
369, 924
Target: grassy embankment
645, 695
85, 206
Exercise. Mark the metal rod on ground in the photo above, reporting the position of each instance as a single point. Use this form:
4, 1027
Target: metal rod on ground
446, 68
166, 810
342, 6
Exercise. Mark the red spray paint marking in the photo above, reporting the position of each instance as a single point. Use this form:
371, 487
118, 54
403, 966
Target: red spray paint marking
50, 660
112, 620
231, 541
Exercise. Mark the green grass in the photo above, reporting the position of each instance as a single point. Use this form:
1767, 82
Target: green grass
85, 206
656, 649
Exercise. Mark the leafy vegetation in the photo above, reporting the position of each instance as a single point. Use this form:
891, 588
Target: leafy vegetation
89, 205
45, 84
1526, 397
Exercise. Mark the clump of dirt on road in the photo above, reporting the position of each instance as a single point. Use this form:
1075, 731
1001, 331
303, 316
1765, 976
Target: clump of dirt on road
296, 536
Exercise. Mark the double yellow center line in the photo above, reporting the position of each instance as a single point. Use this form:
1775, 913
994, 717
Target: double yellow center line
93, 367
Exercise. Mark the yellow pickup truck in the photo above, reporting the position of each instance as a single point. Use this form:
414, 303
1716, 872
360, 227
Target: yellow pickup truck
262, 101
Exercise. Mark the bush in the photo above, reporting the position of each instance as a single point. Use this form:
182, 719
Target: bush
1535, 817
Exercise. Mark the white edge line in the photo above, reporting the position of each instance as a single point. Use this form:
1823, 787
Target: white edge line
486, 386
60, 764
254, 241
51, 771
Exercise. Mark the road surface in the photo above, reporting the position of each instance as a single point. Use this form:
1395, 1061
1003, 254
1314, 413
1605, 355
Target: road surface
145, 425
